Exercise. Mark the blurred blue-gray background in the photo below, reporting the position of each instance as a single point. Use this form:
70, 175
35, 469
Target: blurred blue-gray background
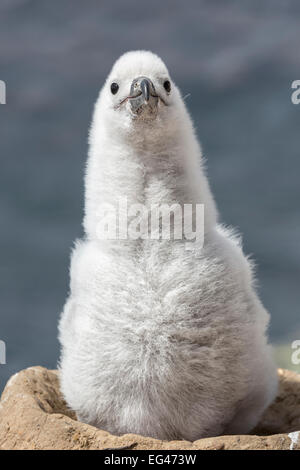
236, 59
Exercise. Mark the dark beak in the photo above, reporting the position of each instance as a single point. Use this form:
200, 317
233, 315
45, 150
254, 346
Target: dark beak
143, 95
145, 89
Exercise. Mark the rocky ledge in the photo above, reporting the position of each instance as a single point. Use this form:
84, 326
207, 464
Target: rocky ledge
33, 415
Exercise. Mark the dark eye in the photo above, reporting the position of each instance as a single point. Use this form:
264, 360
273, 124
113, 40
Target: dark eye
167, 86
114, 88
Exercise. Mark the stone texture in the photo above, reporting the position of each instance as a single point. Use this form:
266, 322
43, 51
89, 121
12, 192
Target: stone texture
33, 415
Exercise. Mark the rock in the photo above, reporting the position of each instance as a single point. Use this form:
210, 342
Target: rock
33, 415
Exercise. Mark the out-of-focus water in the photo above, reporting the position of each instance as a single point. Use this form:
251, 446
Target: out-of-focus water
236, 59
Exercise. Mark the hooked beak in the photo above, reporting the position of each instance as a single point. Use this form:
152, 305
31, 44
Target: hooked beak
145, 89
143, 95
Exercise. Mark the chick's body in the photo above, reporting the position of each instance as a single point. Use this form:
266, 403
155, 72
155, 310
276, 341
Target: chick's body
159, 338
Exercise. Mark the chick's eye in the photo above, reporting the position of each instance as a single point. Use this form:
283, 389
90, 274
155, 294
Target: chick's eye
114, 88
167, 86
